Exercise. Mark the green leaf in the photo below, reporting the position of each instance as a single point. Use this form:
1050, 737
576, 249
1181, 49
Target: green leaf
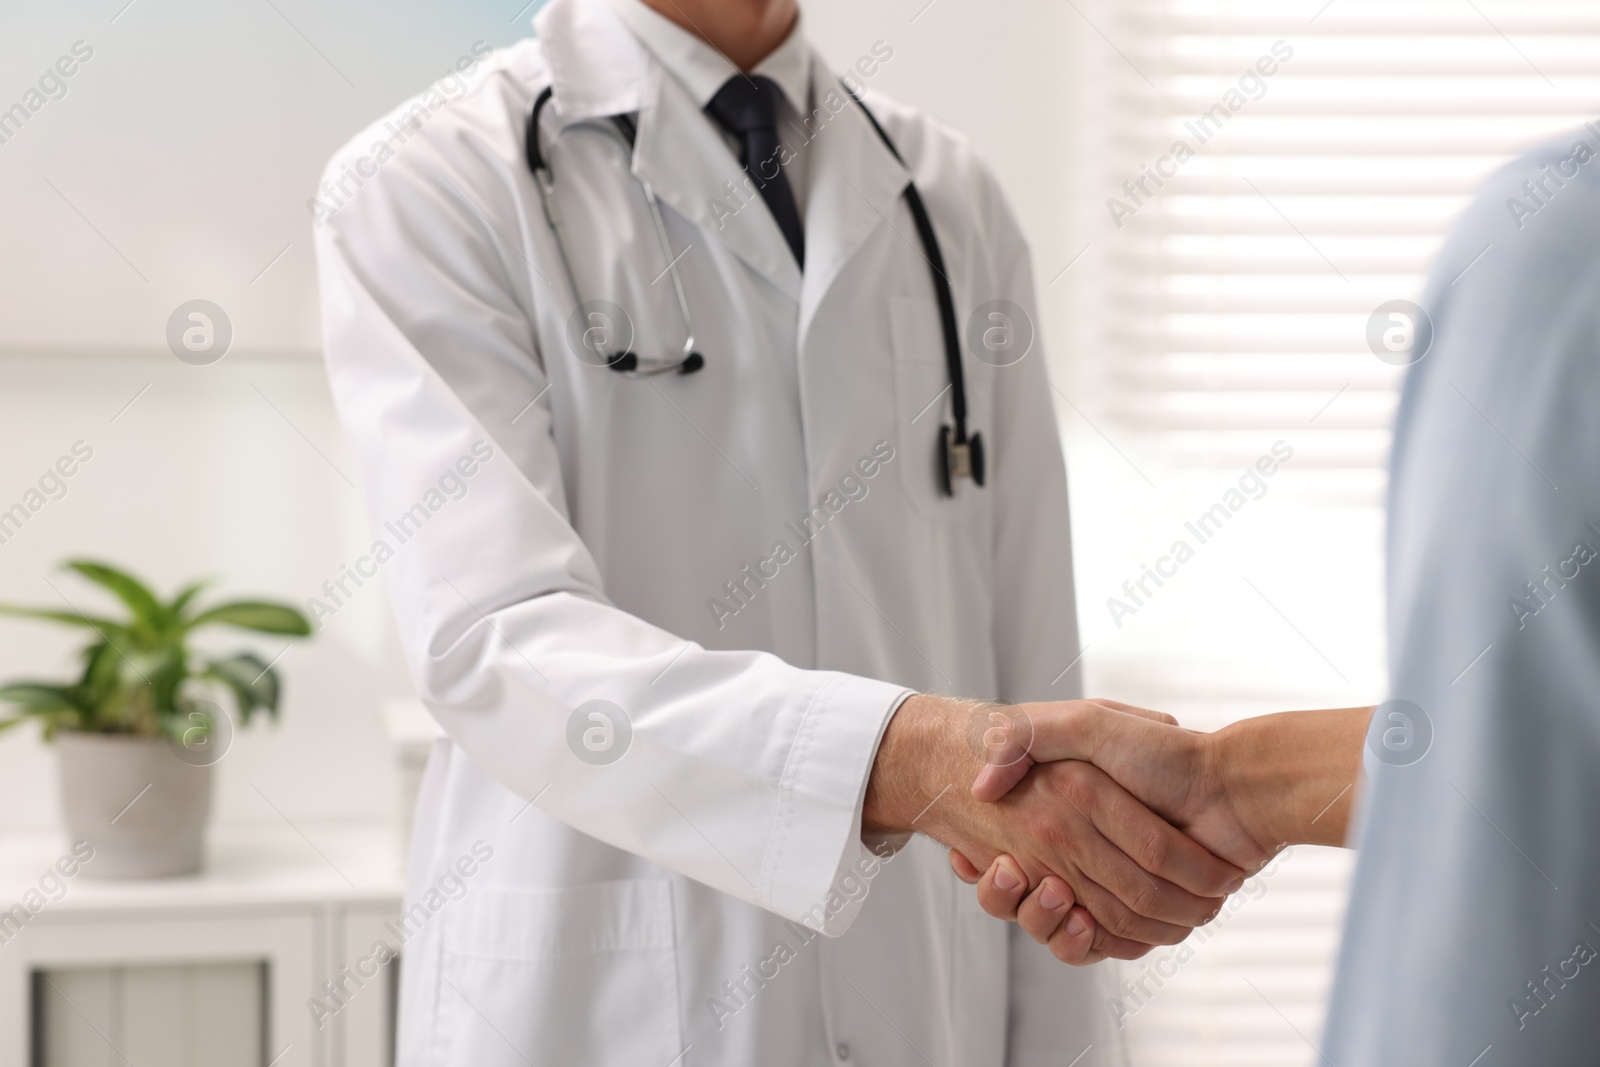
107, 627
164, 669
148, 613
184, 597
53, 705
129, 689
100, 689
251, 679
51, 720
258, 615
39, 697
135, 672
190, 727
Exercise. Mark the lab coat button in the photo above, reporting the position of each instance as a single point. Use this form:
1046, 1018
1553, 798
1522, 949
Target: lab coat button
842, 1051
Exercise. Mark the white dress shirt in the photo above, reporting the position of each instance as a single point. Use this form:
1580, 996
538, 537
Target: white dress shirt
703, 70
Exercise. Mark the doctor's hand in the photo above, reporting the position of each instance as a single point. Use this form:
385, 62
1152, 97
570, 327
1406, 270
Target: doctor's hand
1244, 792
1112, 860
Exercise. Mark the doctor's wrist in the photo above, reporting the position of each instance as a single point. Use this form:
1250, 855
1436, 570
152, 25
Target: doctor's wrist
921, 770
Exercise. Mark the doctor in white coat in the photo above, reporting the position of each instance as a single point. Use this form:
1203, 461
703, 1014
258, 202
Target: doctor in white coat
670, 625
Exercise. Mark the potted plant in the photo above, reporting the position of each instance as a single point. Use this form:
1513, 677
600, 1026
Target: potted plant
137, 731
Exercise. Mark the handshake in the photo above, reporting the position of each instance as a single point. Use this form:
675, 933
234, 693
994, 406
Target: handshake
1104, 829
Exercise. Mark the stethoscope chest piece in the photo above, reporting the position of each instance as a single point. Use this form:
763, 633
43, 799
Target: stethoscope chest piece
958, 459
630, 364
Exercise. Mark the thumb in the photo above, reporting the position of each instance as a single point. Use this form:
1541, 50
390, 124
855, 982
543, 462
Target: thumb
1134, 709
996, 780
1046, 732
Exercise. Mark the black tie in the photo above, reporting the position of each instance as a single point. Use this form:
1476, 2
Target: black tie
748, 108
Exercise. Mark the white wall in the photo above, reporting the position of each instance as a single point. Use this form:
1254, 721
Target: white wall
178, 163
177, 166
1000, 73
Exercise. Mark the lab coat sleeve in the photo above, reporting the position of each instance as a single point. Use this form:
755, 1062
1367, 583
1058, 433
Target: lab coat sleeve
1056, 1011
737, 769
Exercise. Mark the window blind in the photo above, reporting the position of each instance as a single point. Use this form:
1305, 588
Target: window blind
1240, 287
1255, 179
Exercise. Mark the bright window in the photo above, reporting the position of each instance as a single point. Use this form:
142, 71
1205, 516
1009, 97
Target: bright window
1256, 179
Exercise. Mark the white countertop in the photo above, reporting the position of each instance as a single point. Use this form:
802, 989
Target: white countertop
245, 866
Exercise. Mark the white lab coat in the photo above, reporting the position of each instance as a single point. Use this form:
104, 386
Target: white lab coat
632, 913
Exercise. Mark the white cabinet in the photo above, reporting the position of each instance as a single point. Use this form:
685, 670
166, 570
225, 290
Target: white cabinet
109, 1016
226, 968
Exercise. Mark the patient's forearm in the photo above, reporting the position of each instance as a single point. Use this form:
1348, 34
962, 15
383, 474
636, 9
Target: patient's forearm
1293, 777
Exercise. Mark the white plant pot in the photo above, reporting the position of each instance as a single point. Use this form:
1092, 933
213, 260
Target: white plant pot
142, 808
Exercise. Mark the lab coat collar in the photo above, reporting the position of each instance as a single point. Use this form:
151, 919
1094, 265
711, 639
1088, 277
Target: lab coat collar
599, 68
682, 155
854, 184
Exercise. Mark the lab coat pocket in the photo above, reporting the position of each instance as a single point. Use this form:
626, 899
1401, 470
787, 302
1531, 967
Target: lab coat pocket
980, 991
580, 975
922, 408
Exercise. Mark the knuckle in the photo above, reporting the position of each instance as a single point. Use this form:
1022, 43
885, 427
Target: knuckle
1144, 898
1153, 850
1118, 922
1076, 785
1052, 835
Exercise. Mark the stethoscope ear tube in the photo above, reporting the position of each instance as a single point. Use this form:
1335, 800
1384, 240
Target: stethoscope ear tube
960, 455
624, 362
530, 133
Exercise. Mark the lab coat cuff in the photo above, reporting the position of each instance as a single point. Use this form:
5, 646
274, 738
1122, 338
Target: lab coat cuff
818, 869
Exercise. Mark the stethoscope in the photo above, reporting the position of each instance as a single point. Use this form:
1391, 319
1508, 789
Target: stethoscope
960, 455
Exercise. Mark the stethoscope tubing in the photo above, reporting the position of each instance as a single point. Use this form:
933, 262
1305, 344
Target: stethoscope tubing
959, 454
626, 362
